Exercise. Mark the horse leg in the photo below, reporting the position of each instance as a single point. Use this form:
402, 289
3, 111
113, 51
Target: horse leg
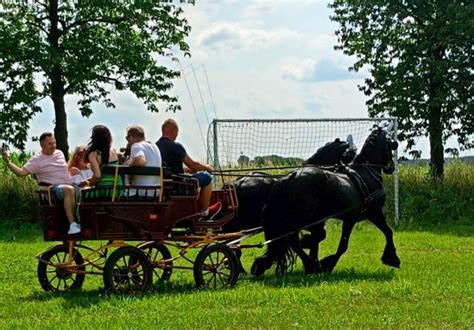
328, 263
389, 256
261, 264
318, 233
311, 242
308, 263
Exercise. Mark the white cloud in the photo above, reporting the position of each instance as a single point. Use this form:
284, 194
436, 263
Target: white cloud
310, 70
241, 37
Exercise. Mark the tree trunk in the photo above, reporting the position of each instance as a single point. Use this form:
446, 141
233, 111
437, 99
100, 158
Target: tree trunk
60, 128
436, 99
436, 145
57, 83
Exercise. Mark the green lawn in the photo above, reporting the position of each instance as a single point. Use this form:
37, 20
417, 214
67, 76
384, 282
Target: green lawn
434, 288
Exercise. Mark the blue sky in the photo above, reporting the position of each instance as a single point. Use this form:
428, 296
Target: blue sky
263, 59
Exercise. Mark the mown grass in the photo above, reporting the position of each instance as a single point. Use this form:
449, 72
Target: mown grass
434, 288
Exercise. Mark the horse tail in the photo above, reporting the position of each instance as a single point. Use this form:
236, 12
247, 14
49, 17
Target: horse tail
275, 225
284, 257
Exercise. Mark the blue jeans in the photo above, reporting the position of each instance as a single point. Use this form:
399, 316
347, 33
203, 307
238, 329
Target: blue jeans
58, 192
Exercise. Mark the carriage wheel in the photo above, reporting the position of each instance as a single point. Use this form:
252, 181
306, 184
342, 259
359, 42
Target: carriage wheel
54, 272
216, 266
127, 269
156, 252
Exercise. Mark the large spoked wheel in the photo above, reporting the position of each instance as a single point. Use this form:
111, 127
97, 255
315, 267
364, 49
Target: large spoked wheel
157, 252
57, 273
127, 269
215, 267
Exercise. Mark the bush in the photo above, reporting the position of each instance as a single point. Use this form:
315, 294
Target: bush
18, 199
425, 201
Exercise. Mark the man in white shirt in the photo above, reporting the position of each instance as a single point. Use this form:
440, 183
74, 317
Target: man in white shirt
142, 154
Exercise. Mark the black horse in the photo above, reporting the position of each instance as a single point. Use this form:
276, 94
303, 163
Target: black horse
253, 190
311, 193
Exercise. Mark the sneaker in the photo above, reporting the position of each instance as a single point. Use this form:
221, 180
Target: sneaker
213, 211
74, 228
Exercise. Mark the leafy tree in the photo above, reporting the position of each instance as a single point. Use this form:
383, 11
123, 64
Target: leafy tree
453, 152
420, 57
52, 48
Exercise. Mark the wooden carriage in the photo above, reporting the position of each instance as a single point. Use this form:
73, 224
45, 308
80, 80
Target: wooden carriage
157, 216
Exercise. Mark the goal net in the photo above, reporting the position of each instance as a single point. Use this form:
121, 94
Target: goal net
262, 143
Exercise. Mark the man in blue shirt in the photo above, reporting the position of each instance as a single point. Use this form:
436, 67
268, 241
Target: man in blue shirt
174, 155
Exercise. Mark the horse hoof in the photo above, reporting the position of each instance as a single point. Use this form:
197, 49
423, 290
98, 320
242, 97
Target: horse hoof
393, 261
259, 266
327, 265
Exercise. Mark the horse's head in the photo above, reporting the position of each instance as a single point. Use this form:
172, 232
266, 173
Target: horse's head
333, 153
378, 150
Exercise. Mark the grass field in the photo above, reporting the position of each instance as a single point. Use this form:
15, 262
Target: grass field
434, 288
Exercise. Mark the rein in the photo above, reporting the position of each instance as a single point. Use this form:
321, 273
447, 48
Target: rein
262, 244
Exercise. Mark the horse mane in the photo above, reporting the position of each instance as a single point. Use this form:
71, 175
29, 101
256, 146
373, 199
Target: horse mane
368, 146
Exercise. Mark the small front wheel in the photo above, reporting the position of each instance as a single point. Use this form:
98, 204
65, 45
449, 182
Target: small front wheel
57, 272
127, 269
216, 266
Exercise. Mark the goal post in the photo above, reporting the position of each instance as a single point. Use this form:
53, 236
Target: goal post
254, 143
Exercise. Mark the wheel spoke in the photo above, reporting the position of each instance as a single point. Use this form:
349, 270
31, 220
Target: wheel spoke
223, 282
137, 281
157, 272
125, 262
210, 258
210, 279
224, 274
217, 257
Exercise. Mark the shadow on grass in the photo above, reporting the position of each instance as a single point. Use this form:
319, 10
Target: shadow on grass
85, 299
301, 279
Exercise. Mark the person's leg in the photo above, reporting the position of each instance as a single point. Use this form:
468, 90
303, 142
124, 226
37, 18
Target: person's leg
205, 182
66, 194
205, 197
69, 202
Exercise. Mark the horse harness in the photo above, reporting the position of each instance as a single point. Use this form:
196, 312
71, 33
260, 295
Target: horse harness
366, 196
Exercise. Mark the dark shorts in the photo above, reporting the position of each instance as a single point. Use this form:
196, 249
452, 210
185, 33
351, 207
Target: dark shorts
58, 191
204, 178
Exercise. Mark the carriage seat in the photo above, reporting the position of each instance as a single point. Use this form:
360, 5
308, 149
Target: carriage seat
132, 192
46, 195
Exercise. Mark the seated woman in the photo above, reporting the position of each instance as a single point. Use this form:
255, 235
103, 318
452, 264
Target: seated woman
100, 153
78, 167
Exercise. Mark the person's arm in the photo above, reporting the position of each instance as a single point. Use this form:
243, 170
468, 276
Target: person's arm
73, 171
195, 166
137, 157
138, 161
12, 167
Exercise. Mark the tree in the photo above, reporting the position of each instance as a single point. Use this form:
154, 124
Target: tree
420, 57
54, 48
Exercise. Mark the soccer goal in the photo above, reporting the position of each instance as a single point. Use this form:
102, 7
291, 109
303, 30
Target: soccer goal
257, 143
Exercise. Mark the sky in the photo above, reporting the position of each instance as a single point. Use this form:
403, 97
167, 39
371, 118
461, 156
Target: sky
251, 59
